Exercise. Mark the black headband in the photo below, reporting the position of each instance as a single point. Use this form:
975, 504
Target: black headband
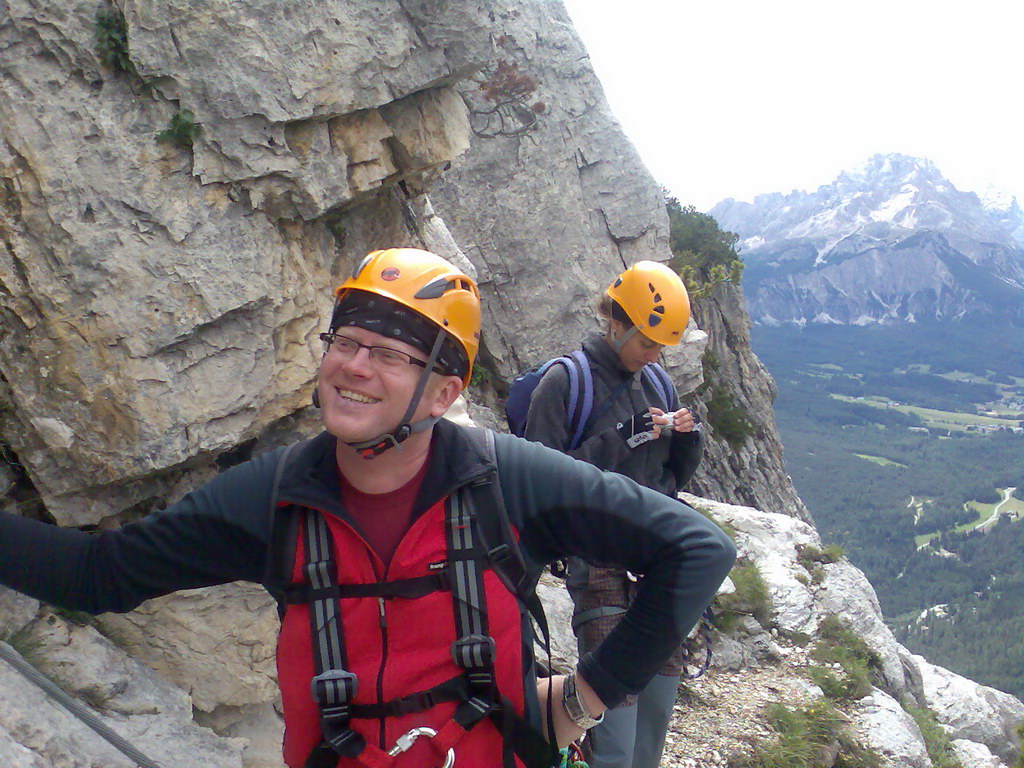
387, 317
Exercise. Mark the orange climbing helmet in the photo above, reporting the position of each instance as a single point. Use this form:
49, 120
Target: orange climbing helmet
655, 300
425, 293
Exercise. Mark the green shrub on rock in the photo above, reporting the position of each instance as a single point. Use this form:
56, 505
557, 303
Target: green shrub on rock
861, 666
111, 33
182, 130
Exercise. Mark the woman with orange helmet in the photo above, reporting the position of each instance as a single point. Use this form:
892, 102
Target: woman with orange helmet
646, 308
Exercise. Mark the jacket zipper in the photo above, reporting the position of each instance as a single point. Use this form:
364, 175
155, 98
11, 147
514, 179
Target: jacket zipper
383, 661
381, 603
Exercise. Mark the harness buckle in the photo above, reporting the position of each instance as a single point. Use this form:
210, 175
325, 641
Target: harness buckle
333, 688
404, 742
474, 652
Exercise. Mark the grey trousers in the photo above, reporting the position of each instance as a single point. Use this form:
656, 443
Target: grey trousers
634, 737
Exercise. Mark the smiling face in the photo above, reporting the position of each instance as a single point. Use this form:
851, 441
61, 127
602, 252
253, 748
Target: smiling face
361, 399
638, 351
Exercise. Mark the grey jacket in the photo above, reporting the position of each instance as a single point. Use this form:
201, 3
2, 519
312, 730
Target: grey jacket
663, 465
601, 595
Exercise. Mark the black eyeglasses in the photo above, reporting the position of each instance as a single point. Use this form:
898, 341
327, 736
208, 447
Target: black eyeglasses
384, 357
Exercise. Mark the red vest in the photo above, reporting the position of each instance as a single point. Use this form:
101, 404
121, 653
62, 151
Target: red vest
396, 647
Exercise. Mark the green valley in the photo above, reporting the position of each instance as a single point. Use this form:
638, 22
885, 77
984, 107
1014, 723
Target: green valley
903, 443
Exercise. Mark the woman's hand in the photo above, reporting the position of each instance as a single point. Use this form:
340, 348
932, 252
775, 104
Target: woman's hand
684, 421
659, 421
638, 429
675, 421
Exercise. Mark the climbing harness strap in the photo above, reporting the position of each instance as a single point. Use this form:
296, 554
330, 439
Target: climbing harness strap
471, 550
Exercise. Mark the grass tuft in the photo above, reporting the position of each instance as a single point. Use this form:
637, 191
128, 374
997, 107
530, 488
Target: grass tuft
182, 130
807, 737
936, 739
861, 666
751, 598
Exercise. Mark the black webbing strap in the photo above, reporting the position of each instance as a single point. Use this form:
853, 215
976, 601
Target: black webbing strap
487, 505
522, 739
470, 542
332, 687
473, 649
606, 404
409, 589
496, 532
283, 532
453, 689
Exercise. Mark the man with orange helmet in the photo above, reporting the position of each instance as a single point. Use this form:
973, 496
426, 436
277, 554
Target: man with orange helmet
403, 550
634, 404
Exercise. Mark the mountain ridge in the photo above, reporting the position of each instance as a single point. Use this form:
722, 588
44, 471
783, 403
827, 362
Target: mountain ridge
846, 253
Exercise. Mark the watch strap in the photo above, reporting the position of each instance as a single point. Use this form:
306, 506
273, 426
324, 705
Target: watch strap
574, 705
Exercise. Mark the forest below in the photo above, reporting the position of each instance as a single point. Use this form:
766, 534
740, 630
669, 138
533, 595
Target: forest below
872, 483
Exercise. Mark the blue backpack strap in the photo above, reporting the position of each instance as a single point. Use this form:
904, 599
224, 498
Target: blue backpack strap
581, 397
579, 405
659, 377
517, 405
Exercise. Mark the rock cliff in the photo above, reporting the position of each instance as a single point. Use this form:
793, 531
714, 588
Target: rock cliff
160, 299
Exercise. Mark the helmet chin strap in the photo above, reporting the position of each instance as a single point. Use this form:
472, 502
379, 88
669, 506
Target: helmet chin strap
374, 447
620, 342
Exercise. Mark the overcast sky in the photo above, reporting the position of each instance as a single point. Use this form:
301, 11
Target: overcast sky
733, 98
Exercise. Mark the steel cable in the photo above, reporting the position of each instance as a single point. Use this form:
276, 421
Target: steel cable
12, 657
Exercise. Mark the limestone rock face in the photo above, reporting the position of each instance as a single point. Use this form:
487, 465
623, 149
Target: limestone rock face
556, 212
558, 609
142, 708
846, 591
591, 208
753, 473
64, 742
891, 731
972, 711
14, 755
982, 716
975, 755
160, 304
216, 643
16, 611
748, 645
772, 541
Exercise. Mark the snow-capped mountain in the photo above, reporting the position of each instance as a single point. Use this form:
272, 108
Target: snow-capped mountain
889, 241
1005, 211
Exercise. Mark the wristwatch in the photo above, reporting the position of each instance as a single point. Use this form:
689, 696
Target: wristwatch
574, 705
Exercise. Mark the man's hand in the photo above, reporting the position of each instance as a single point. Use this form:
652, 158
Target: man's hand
566, 731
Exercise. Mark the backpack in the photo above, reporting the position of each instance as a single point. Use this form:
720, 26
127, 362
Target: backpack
580, 409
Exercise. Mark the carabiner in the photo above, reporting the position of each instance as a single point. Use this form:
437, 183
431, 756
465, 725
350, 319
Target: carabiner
403, 742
